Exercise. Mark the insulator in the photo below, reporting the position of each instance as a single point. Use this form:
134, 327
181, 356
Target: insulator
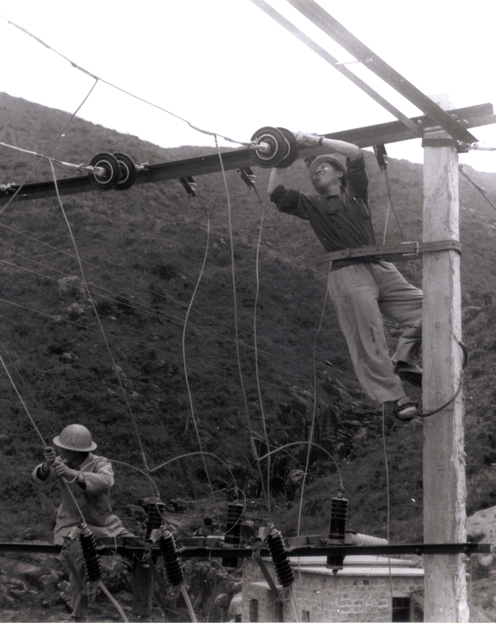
90, 554
280, 559
171, 562
155, 513
339, 511
233, 531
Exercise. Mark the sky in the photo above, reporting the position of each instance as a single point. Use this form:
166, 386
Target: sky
227, 68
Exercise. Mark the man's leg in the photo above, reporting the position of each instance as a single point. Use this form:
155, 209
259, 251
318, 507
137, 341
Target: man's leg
75, 560
355, 293
401, 302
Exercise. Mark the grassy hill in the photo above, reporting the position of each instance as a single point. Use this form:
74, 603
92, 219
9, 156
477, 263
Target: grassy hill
143, 252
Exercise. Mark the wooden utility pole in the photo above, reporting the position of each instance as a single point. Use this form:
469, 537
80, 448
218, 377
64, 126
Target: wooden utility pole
444, 457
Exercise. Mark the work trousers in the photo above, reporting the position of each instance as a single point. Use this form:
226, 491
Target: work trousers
362, 293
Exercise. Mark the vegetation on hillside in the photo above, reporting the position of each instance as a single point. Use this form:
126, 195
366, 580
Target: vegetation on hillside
143, 252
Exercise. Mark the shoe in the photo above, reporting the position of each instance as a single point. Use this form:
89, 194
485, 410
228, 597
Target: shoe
404, 409
409, 372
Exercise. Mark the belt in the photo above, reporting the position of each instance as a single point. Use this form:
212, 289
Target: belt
339, 264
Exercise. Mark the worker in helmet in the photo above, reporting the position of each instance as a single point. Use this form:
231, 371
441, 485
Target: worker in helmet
362, 289
85, 480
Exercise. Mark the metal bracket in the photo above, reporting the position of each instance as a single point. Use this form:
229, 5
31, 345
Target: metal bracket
439, 143
247, 176
265, 571
189, 185
391, 253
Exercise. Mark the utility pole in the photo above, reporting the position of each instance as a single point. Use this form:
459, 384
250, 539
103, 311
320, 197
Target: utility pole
444, 456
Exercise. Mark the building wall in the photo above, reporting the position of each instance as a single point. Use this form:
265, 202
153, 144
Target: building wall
326, 597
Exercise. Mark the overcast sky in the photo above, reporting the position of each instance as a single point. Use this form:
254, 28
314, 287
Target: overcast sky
227, 67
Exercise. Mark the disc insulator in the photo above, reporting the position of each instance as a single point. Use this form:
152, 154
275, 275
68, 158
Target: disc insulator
109, 177
272, 147
127, 172
291, 152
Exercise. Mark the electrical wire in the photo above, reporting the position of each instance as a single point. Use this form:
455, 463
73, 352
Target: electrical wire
255, 342
110, 84
135, 305
312, 426
236, 332
97, 316
186, 376
30, 173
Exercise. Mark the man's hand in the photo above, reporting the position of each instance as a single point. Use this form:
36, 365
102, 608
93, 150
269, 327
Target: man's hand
307, 139
62, 470
49, 456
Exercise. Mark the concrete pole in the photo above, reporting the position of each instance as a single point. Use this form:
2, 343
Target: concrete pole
444, 457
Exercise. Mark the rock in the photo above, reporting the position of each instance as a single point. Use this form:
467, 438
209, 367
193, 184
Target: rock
483, 522
30, 573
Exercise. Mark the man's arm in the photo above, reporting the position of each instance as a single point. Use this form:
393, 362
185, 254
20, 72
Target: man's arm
308, 139
276, 177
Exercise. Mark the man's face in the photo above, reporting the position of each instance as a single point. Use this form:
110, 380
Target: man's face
66, 454
325, 175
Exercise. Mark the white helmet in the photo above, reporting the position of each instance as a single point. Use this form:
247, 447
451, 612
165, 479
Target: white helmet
75, 438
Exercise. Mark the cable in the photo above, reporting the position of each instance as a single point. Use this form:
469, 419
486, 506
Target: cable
29, 174
186, 378
321, 448
151, 310
236, 333
479, 188
255, 342
312, 426
458, 390
98, 79
114, 365
81, 167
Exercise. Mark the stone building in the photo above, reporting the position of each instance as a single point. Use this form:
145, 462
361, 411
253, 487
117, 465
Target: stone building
366, 589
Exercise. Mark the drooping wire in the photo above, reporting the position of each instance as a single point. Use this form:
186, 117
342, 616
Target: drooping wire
30, 173
236, 331
102, 330
186, 376
304, 442
110, 84
135, 305
255, 342
314, 411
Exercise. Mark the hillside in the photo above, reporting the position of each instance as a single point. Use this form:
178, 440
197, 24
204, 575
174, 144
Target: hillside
143, 252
